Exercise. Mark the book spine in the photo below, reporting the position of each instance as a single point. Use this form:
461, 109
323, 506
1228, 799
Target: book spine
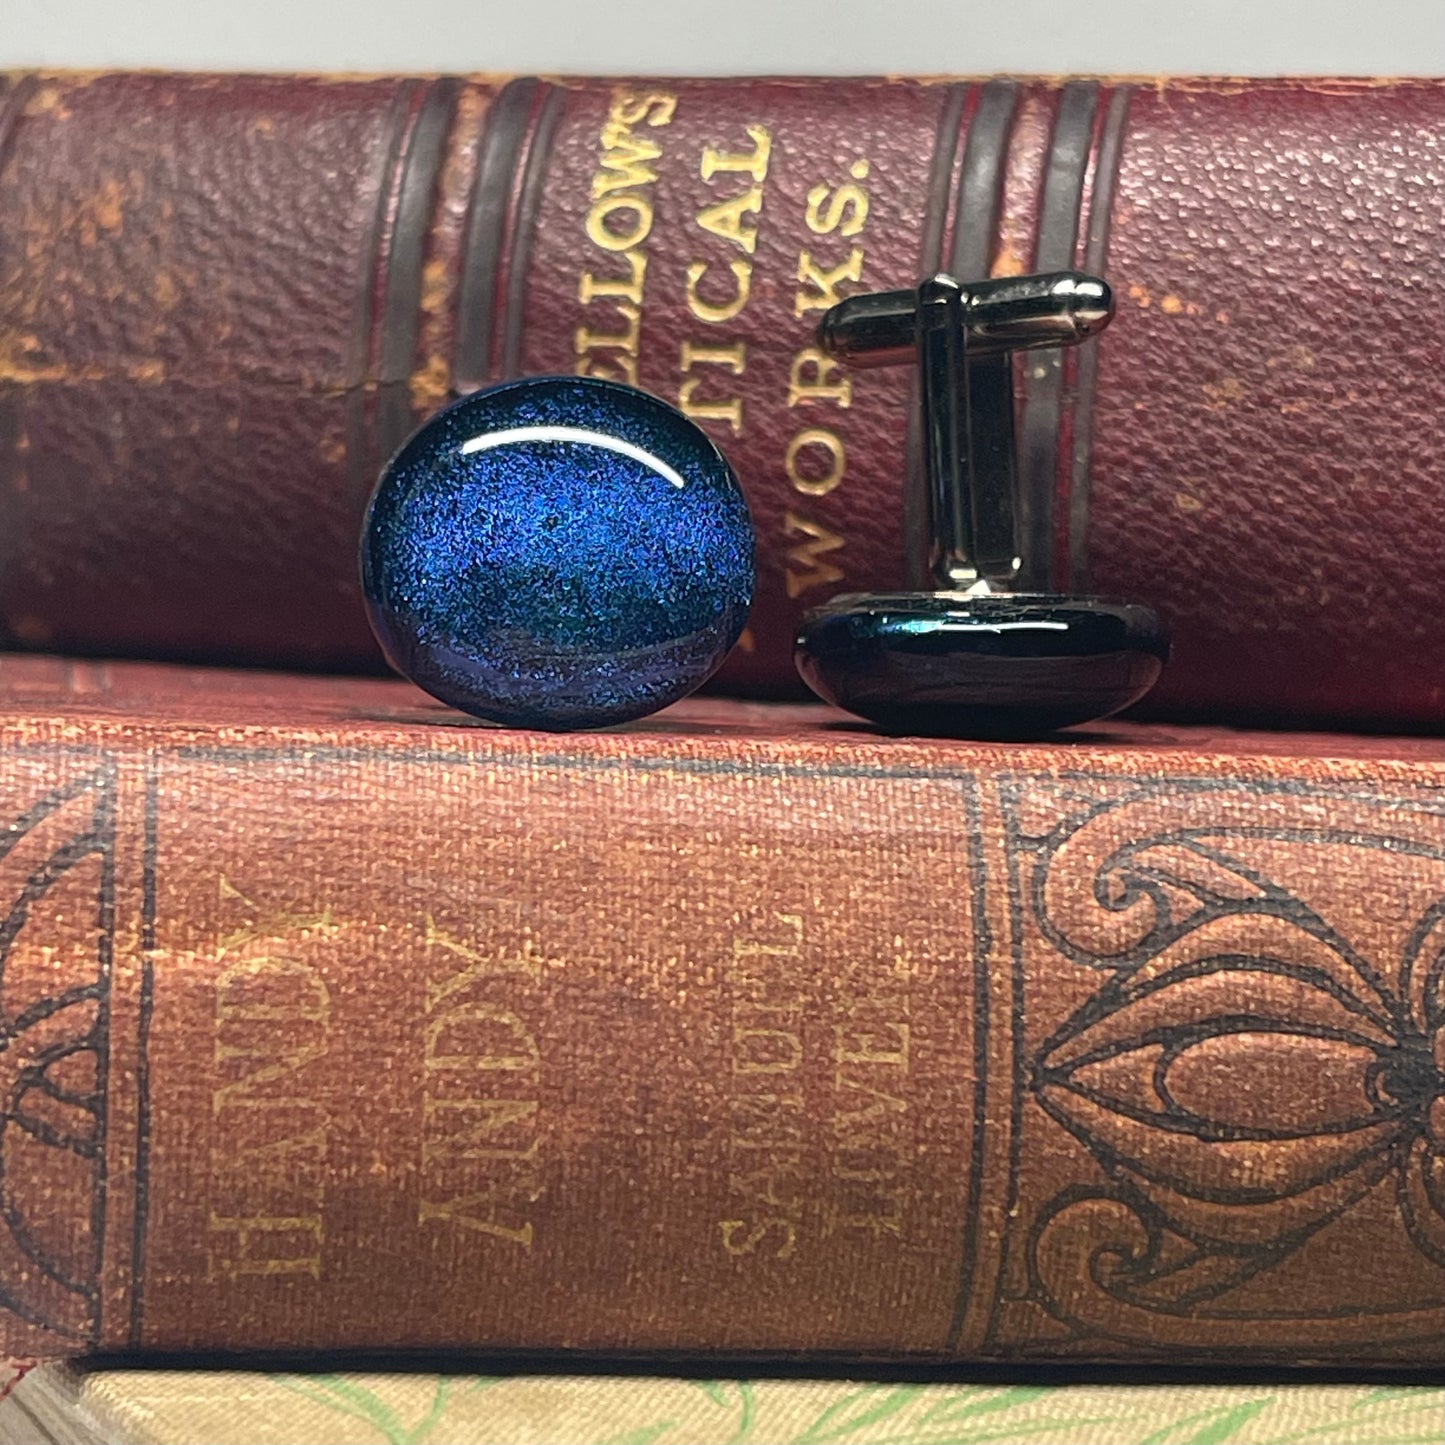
388, 1037
225, 300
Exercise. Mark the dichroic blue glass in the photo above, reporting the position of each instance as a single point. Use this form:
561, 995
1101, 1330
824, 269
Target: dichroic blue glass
558, 582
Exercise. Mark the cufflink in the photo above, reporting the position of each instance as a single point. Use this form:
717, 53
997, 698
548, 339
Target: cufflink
979, 655
558, 552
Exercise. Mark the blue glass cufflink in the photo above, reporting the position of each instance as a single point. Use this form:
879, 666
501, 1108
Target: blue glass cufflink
982, 655
558, 552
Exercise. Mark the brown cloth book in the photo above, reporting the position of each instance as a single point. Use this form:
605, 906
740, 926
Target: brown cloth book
224, 300
332, 1019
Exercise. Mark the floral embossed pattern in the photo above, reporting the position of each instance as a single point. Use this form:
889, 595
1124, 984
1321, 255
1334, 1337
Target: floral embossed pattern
1256, 1069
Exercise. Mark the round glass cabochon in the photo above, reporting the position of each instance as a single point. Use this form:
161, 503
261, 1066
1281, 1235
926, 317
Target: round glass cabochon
558, 552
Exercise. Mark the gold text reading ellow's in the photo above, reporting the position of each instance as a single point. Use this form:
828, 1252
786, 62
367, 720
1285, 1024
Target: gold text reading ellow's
719, 288
619, 221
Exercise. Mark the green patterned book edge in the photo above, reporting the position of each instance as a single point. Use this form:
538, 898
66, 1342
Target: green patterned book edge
65, 1405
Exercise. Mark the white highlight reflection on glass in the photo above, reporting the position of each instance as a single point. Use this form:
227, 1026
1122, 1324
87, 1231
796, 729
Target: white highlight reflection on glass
951, 624
572, 434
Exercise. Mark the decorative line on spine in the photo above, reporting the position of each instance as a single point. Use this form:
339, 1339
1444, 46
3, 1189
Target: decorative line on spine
962, 104
1095, 262
1038, 455
1009, 789
967, 1303
361, 462
930, 259
150, 853
975, 233
524, 226
508, 123
980, 192
401, 313
106, 823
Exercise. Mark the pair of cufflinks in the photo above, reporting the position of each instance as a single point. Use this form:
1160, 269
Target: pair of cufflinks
566, 552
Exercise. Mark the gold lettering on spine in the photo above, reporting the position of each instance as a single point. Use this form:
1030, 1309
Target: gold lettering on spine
468, 1128
738, 1239
872, 1152
807, 565
847, 210
729, 410
619, 222
271, 1019
604, 230
766, 1051
696, 353
817, 440
729, 219
655, 107
261, 1244
711, 299
820, 285
815, 457
734, 360
590, 288
814, 377
767, 1181
625, 341
716, 314
481, 1059
753, 163
624, 164
510, 1046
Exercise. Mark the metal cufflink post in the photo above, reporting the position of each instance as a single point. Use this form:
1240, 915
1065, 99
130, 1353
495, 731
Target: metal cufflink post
987, 653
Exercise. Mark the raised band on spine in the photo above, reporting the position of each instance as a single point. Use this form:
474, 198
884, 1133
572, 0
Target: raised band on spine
980, 190
361, 457
1038, 453
508, 122
1096, 260
930, 259
980, 199
523, 228
401, 304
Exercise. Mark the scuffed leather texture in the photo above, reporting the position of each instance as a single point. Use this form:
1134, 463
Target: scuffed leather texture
191, 277
1270, 423
223, 299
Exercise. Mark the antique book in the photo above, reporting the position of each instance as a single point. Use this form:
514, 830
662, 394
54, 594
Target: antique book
332, 1019
224, 300
62, 1404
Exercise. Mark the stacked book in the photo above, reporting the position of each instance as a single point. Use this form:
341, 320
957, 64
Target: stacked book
742, 1037
82, 1406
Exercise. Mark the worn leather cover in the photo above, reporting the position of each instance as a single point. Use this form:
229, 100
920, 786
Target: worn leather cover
225, 299
330, 1019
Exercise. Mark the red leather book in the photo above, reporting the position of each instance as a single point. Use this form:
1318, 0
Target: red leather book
225, 299
330, 1019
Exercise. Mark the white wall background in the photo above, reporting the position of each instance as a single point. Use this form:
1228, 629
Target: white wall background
1241, 37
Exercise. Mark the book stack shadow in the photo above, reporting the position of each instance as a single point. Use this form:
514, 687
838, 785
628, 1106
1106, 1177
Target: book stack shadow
370, 1073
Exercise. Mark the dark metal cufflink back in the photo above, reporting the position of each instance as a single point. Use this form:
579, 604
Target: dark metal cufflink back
989, 653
